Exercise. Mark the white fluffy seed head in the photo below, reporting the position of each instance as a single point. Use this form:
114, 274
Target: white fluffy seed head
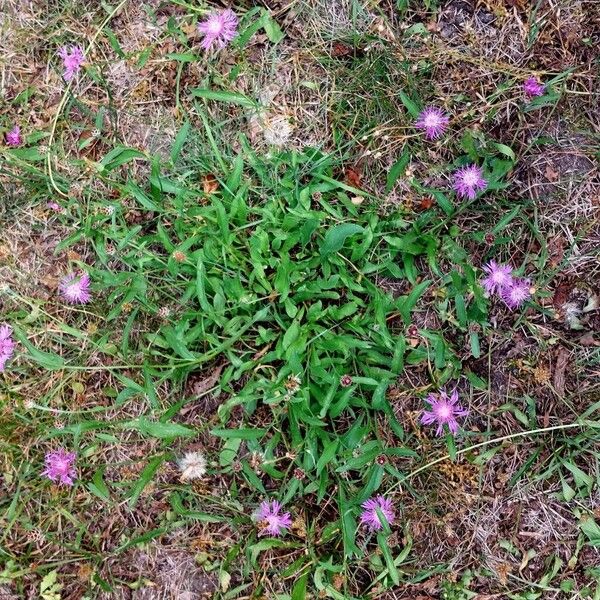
192, 466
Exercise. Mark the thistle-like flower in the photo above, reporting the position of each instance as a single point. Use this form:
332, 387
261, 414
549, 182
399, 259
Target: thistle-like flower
516, 293
13, 137
370, 516
60, 467
271, 520
219, 29
76, 288
532, 87
7, 345
498, 277
73, 59
468, 181
433, 122
444, 410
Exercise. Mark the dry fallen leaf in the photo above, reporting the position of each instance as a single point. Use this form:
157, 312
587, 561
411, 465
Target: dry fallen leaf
210, 183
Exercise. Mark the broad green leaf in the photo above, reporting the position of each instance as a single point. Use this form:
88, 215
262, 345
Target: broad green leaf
224, 96
337, 235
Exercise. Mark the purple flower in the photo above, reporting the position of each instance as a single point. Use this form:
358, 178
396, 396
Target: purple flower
444, 410
7, 345
516, 293
54, 206
433, 121
272, 521
532, 87
498, 277
468, 180
60, 467
76, 288
219, 29
13, 137
369, 516
73, 59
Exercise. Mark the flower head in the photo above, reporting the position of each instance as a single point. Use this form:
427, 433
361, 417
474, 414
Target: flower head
516, 293
7, 345
76, 288
370, 516
433, 122
54, 206
498, 277
60, 467
272, 520
219, 29
13, 137
468, 180
444, 410
532, 87
73, 59
192, 466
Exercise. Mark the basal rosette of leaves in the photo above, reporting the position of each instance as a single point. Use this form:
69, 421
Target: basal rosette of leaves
274, 277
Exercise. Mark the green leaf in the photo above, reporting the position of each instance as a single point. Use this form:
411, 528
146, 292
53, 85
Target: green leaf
241, 434
337, 235
49, 361
591, 529
271, 28
147, 474
223, 96
159, 430
410, 106
396, 170
299, 589
119, 156
180, 141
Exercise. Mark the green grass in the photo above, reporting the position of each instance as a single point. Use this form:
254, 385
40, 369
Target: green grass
225, 320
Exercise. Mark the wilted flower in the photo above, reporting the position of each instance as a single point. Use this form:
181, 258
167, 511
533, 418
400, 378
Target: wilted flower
7, 345
73, 59
277, 130
13, 137
192, 466
444, 410
219, 29
60, 467
179, 256
271, 520
468, 180
433, 122
346, 380
498, 277
532, 87
516, 293
76, 288
370, 516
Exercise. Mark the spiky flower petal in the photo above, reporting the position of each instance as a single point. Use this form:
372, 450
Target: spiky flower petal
444, 410
370, 516
219, 29
498, 277
468, 181
271, 520
433, 122
75, 288
60, 467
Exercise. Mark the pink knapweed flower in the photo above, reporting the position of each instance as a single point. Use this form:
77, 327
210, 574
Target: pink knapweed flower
532, 87
444, 410
433, 122
60, 467
54, 206
369, 516
75, 288
7, 345
468, 180
219, 29
13, 137
271, 520
498, 277
73, 59
516, 293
